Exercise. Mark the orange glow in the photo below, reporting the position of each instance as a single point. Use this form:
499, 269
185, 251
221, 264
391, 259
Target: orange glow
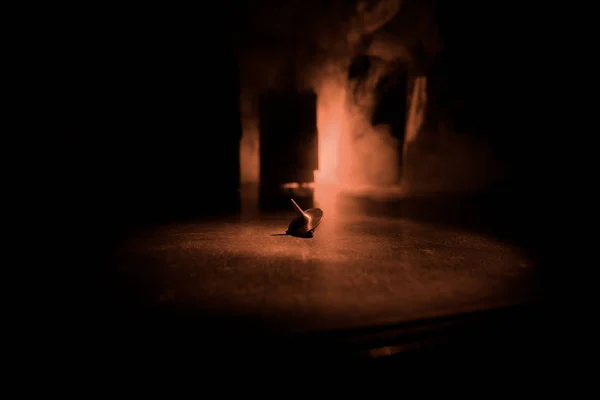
249, 143
327, 197
296, 185
352, 152
353, 155
332, 126
331, 121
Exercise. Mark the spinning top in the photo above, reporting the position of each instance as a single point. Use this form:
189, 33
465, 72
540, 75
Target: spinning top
305, 222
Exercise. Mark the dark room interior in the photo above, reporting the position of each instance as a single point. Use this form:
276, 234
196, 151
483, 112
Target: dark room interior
183, 133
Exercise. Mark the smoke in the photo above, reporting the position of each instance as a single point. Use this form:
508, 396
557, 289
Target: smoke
369, 18
353, 152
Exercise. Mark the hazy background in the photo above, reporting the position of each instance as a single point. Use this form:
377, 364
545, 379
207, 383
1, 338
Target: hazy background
444, 148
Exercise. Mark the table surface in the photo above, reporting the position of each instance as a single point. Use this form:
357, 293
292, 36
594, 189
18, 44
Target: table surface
356, 271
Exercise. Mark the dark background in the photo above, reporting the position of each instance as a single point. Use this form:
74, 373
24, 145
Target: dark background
145, 103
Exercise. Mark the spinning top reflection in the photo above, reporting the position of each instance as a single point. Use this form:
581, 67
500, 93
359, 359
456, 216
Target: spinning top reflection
305, 222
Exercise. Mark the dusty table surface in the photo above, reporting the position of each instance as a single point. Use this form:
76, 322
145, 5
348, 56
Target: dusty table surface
356, 271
